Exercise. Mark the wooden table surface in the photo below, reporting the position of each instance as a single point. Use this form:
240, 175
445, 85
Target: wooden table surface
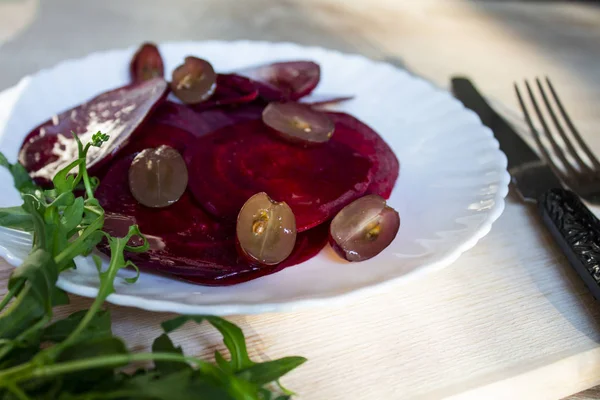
509, 319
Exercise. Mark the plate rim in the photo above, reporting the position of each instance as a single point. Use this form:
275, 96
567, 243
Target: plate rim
132, 300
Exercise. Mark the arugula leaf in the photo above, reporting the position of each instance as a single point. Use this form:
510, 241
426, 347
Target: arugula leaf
22, 180
99, 327
182, 385
18, 355
177, 322
117, 261
37, 267
59, 297
268, 395
265, 394
163, 344
222, 362
37, 279
93, 347
267, 372
72, 216
86, 349
35, 208
64, 181
234, 340
16, 218
233, 337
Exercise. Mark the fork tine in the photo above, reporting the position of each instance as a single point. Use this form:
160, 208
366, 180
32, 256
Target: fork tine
574, 153
549, 135
571, 126
536, 136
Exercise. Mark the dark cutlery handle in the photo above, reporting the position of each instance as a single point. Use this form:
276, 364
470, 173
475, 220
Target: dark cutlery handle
467, 93
577, 231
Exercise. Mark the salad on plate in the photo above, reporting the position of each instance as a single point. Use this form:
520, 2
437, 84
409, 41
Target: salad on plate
229, 176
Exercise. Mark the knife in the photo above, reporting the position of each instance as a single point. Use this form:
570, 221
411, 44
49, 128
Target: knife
573, 226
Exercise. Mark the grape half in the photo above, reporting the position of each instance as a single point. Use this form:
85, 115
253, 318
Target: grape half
364, 228
194, 81
158, 176
266, 230
298, 123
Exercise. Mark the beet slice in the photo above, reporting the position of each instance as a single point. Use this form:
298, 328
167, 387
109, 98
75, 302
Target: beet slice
268, 92
201, 123
308, 244
231, 89
349, 131
364, 140
154, 135
186, 241
118, 113
284, 80
232, 164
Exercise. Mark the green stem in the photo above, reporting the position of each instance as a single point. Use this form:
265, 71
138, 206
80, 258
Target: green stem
19, 370
14, 389
114, 360
59, 200
11, 293
74, 249
6, 349
119, 394
95, 307
92, 210
88, 185
103, 293
84, 174
29, 371
106, 288
34, 328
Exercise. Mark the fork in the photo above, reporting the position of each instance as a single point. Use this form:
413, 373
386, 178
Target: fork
581, 176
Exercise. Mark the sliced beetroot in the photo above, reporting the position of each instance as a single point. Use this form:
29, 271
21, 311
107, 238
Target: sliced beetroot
146, 64
230, 165
284, 80
201, 123
364, 140
117, 113
154, 135
268, 92
186, 241
231, 89
182, 117
308, 245
177, 125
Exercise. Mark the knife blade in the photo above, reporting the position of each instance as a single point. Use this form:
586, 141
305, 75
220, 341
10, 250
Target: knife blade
530, 174
573, 226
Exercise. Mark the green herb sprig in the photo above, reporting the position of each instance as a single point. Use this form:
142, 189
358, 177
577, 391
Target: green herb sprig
78, 357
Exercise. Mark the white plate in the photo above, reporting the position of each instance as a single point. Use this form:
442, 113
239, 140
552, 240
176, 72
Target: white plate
452, 183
